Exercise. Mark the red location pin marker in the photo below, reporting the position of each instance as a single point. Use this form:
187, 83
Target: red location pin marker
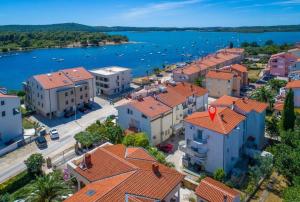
212, 112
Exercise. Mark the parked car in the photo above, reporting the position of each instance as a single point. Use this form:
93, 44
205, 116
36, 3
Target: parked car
54, 134
167, 148
69, 114
88, 106
83, 109
42, 131
41, 142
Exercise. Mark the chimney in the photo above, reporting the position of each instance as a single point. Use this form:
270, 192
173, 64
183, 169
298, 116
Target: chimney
155, 168
222, 117
225, 198
88, 160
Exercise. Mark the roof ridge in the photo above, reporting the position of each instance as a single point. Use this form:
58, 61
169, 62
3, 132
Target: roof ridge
120, 159
218, 188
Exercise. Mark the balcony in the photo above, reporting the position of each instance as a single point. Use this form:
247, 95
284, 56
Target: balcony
200, 141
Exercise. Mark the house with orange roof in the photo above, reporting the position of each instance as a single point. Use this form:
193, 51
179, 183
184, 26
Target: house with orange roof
295, 87
241, 71
222, 82
57, 93
214, 144
255, 113
116, 173
10, 119
200, 67
147, 115
210, 190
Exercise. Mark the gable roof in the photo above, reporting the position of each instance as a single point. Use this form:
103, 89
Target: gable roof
219, 75
224, 122
7, 96
224, 101
187, 89
215, 191
141, 182
150, 106
77, 74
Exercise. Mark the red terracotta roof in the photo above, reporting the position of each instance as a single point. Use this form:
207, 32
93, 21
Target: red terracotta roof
77, 74
224, 122
239, 68
141, 184
62, 78
248, 105
215, 191
278, 106
171, 98
219, 75
187, 89
150, 106
53, 80
224, 101
293, 84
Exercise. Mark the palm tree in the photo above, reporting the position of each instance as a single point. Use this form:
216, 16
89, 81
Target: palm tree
264, 94
48, 188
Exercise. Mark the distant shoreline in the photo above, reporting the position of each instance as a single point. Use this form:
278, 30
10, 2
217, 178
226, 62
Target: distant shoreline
69, 46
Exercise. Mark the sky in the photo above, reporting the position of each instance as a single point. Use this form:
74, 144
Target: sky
145, 13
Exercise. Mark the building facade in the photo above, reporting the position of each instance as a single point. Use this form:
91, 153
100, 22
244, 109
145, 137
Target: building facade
219, 83
54, 94
10, 118
112, 80
295, 87
281, 63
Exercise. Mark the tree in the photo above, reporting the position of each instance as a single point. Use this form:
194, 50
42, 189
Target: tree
272, 127
291, 194
6, 198
219, 175
288, 115
85, 139
136, 140
199, 81
230, 44
34, 164
269, 42
48, 188
276, 84
264, 94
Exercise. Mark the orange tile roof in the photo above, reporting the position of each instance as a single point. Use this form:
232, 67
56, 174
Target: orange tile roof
239, 68
150, 106
7, 96
224, 101
77, 74
248, 105
278, 106
63, 78
178, 94
53, 80
142, 181
219, 75
215, 191
293, 84
188, 70
221, 125
243, 104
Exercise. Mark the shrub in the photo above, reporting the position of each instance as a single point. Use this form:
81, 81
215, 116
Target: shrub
136, 140
219, 175
34, 164
15, 183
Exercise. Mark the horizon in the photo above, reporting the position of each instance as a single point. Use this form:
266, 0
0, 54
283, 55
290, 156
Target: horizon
150, 13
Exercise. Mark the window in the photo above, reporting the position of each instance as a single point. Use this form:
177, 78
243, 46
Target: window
2, 102
72, 92
85, 87
67, 102
198, 136
80, 89
3, 113
81, 97
72, 100
66, 94
129, 111
144, 116
86, 95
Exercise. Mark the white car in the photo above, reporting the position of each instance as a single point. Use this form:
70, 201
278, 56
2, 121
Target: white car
54, 134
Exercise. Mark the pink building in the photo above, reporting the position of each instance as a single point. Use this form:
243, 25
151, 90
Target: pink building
279, 64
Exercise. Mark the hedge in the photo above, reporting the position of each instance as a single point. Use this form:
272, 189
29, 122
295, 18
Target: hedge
15, 183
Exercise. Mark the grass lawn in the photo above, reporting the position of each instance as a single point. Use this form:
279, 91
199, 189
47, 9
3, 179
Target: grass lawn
27, 124
253, 74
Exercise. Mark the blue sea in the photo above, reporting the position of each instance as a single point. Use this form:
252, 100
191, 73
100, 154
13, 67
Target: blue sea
149, 50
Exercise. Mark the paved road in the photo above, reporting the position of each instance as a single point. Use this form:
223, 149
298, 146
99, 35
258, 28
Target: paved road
13, 163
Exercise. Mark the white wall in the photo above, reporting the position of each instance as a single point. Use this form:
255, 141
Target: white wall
10, 124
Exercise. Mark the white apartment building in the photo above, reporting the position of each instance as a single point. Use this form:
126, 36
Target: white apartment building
54, 94
112, 80
147, 115
211, 145
10, 118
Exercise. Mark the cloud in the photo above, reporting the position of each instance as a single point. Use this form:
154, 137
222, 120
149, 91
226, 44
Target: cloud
158, 7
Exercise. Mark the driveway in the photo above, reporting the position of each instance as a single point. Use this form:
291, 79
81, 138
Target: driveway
13, 163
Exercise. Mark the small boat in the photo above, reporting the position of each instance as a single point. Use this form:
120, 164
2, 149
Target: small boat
121, 55
53, 58
34, 57
142, 59
150, 53
60, 60
158, 52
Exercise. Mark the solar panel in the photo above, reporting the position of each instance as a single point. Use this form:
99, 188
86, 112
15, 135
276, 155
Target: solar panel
90, 192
